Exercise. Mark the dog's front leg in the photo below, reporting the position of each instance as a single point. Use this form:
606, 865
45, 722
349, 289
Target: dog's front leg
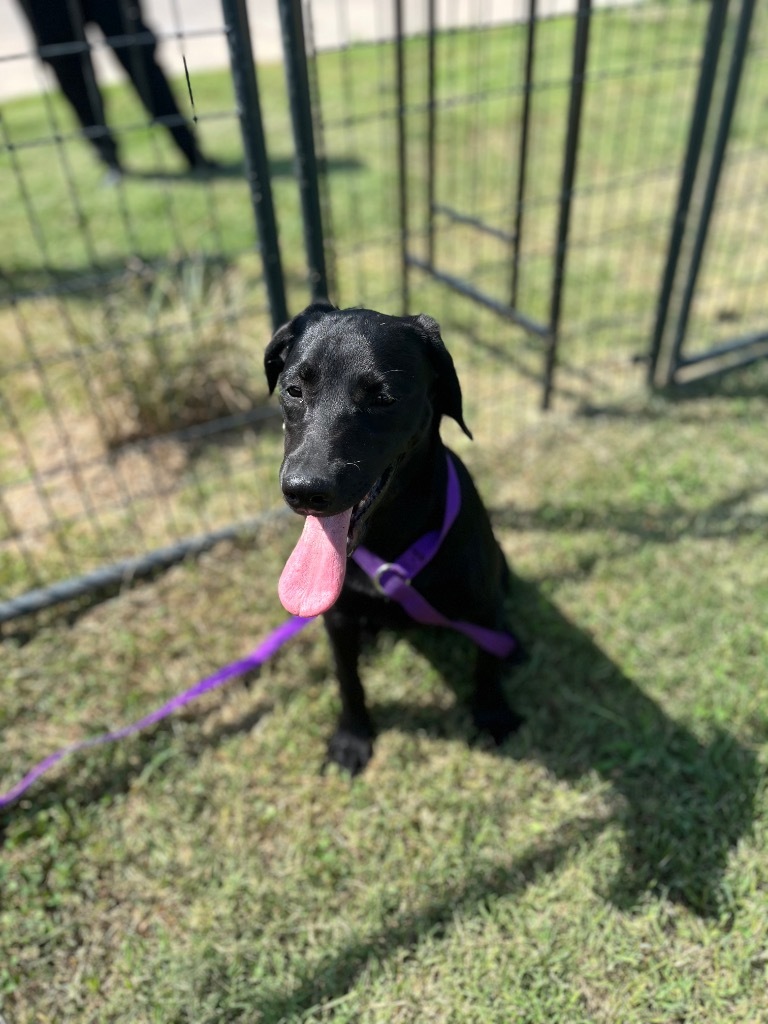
491, 712
351, 746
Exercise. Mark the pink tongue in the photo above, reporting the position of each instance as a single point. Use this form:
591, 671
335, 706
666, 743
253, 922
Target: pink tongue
314, 574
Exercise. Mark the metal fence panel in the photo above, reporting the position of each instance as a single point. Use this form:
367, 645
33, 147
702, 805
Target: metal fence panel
531, 155
711, 315
133, 309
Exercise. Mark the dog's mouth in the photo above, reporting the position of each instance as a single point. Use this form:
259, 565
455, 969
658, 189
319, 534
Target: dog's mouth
362, 510
314, 574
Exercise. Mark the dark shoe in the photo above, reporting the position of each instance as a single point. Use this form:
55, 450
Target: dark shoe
201, 164
113, 174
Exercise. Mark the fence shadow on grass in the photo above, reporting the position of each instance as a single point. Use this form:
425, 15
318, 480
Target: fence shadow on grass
337, 972
685, 803
120, 766
682, 803
280, 167
734, 515
732, 390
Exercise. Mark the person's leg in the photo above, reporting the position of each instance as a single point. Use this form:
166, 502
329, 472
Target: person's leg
118, 18
60, 24
78, 83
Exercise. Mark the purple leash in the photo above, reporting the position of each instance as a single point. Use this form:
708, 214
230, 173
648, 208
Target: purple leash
393, 579
263, 652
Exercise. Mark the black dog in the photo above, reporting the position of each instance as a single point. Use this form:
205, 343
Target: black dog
362, 396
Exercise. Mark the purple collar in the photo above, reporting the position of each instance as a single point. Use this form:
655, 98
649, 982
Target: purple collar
393, 579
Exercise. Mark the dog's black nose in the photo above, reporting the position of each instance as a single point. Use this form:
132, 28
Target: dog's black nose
308, 496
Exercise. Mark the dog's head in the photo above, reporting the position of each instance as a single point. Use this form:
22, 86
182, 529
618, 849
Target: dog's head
359, 390
388, 334
360, 393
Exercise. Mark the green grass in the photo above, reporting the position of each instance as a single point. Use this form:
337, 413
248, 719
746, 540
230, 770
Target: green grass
608, 864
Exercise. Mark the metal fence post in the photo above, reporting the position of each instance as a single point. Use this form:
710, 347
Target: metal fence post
713, 180
522, 159
715, 29
402, 157
307, 171
255, 149
580, 45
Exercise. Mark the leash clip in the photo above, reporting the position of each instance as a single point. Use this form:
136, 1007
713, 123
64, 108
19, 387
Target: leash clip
392, 567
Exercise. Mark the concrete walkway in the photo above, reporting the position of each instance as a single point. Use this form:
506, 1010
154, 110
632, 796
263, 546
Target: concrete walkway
199, 22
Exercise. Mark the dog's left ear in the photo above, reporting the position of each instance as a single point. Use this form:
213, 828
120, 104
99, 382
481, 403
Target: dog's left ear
447, 388
284, 337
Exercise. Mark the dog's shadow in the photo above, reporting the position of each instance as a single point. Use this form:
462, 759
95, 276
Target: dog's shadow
683, 802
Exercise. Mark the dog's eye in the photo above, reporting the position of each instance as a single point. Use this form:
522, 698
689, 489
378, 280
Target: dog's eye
383, 399
293, 391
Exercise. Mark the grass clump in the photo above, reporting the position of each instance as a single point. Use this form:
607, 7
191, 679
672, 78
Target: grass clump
190, 368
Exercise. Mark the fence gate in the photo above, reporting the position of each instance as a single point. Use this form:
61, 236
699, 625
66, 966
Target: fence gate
717, 212
511, 167
489, 204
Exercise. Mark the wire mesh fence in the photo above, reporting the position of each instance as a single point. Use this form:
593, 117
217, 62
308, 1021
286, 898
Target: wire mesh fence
716, 319
130, 398
493, 178
134, 311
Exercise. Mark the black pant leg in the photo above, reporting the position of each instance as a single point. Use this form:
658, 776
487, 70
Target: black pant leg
124, 17
78, 84
53, 25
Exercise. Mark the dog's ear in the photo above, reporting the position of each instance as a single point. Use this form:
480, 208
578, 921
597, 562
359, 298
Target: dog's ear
447, 387
284, 337
274, 357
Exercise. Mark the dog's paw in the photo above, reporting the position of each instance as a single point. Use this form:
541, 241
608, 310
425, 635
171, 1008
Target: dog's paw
499, 723
349, 751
